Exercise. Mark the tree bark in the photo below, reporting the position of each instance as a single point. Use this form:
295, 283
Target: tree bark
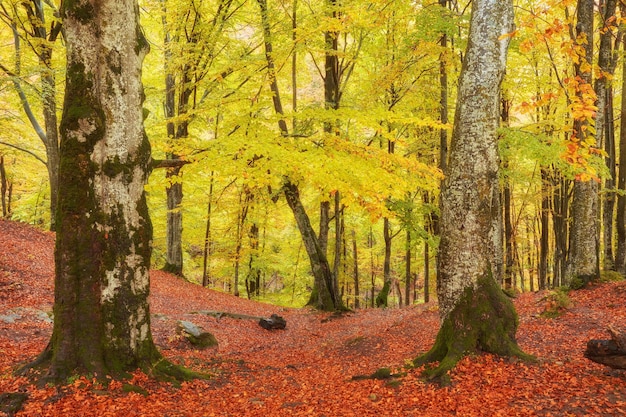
620, 256
3, 188
355, 253
604, 124
101, 309
583, 261
323, 296
474, 311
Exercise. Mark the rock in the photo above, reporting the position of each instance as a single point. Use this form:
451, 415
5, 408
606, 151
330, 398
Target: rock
196, 335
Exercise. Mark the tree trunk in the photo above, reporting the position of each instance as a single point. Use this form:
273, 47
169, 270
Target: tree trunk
561, 191
3, 187
206, 260
474, 311
544, 243
323, 296
356, 272
101, 310
583, 261
383, 295
407, 269
604, 124
508, 236
620, 257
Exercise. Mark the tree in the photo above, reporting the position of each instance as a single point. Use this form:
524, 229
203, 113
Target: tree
583, 262
103, 244
474, 311
32, 27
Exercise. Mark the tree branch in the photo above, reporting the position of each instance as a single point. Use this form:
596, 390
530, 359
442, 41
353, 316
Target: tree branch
26, 151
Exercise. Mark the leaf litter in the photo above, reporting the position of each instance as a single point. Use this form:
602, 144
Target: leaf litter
307, 369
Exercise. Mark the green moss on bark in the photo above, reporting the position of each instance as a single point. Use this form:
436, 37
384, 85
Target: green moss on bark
383, 296
483, 320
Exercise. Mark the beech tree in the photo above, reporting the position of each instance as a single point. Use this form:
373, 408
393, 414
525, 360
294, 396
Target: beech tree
474, 311
103, 243
31, 25
583, 262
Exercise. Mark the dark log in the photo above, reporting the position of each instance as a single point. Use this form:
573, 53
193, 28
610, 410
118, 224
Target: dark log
611, 353
274, 322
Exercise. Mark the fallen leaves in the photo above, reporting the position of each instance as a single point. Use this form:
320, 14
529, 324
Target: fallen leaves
306, 369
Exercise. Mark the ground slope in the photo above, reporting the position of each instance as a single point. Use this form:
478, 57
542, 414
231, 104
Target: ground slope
307, 368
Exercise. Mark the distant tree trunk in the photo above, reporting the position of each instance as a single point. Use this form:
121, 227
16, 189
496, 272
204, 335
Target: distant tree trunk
426, 272
324, 225
103, 243
475, 313
206, 275
383, 295
407, 269
561, 198
174, 186
370, 245
244, 205
604, 123
253, 278
339, 233
620, 258
355, 253
509, 270
544, 241
583, 261
381, 298
3, 187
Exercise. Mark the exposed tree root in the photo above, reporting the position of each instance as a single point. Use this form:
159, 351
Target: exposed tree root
484, 320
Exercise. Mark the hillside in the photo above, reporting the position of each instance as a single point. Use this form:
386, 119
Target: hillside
307, 368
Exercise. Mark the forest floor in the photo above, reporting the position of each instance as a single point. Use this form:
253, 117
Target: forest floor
307, 369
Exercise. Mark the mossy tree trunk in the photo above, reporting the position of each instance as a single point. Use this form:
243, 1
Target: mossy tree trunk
475, 313
101, 310
583, 262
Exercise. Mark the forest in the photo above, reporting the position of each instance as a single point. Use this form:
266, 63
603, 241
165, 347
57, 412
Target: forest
367, 96
360, 159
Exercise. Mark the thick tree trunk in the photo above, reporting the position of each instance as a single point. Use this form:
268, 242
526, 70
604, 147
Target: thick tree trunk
583, 261
475, 312
101, 310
